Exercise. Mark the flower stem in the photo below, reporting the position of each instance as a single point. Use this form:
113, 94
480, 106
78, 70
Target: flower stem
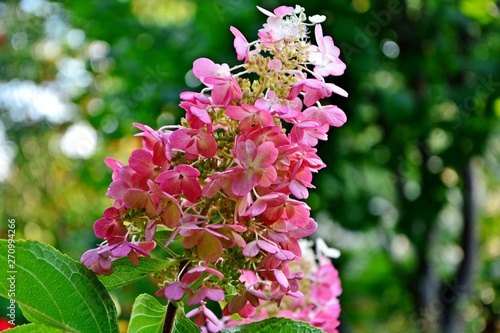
169, 318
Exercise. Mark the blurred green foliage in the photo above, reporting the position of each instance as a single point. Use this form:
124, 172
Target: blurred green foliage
410, 176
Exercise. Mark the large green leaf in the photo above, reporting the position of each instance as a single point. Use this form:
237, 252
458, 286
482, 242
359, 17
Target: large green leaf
55, 290
148, 316
274, 325
125, 272
183, 324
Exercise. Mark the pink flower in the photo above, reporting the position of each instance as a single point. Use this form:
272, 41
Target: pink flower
106, 227
213, 293
204, 68
141, 161
222, 183
132, 250
249, 115
182, 179
326, 55
327, 283
254, 247
168, 207
276, 30
304, 231
275, 64
196, 106
201, 314
195, 273
245, 304
114, 165
218, 181
194, 142
174, 291
299, 180
255, 166
157, 143
314, 90
260, 205
98, 260
328, 114
307, 132
272, 134
241, 44
293, 211
225, 90
274, 105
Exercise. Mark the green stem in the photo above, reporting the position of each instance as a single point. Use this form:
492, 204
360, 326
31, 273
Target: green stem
166, 249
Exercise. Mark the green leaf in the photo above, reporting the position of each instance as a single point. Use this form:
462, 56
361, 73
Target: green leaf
183, 324
35, 328
274, 325
125, 272
148, 316
55, 290
162, 235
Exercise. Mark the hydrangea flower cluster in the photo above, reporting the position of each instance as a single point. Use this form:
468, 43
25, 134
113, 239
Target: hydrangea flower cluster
321, 287
228, 182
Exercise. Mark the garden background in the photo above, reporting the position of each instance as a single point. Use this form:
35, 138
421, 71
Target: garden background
411, 194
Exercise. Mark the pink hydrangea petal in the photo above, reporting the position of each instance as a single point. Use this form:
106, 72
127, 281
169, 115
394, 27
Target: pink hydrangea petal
283, 10
265, 155
259, 294
194, 312
121, 250
267, 246
336, 89
215, 294
243, 182
240, 44
104, 228
204, 67
201, 114
141, 161
265, 11
113, 164
266, 176
281, 278
246, 151
298, 213
211, 316
206, 144
198, 296
180, 139
298, 189
305, 231
117, 190
191, 189
284, 255
318, 33
251, 250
